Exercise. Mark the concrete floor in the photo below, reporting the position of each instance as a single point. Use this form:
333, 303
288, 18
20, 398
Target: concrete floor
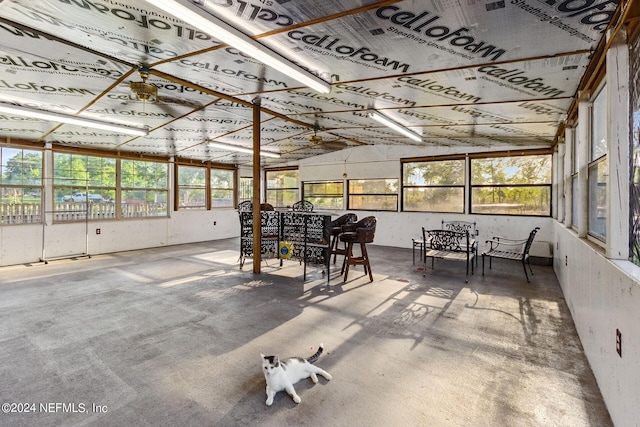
172, 337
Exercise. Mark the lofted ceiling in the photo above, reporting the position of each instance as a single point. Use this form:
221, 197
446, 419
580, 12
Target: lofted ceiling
459, 72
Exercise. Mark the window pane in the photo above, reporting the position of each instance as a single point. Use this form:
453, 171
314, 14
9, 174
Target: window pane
599, 125
282, 187
324, 195
444, 172
574, 150
574, 204
374, 203
282, 179
222, 188
246, 189
282, 198
144, 202
523, 200
143, 174
511, 170
191, 187
373, 194
191, 198
20, 167
191, 176
598, 199
434, 199
83, 186
20, 186
373, 186
144, 189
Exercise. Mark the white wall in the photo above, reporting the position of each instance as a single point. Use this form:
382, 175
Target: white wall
603, 296
23, 243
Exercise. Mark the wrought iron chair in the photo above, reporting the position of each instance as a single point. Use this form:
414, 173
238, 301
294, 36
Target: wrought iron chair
245, 206
361, 232
461, 227
512, 249
303, 206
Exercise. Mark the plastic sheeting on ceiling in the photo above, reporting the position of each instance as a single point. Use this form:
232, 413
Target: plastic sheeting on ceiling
468, 72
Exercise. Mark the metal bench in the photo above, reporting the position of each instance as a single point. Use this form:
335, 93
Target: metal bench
511, 249
447, 244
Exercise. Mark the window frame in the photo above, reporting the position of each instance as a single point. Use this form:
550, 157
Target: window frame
405, 186
524, 153
65, 207
395, 196
268, 191
230, 189
329, 196
145, 209
21, 213
596, 215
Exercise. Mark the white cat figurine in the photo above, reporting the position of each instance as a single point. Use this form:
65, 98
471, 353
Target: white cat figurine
283, 375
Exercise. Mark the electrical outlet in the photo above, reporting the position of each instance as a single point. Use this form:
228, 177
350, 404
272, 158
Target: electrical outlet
477, 232
619, 342
97, 231
566, 260
215, 222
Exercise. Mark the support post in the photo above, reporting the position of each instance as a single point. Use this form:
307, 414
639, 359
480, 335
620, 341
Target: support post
257, 237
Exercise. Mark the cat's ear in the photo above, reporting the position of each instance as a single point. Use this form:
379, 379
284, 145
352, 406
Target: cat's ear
262, 356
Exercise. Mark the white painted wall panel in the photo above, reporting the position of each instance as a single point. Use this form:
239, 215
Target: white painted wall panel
604, 296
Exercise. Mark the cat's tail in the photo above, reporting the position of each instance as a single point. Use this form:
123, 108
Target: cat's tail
315, 357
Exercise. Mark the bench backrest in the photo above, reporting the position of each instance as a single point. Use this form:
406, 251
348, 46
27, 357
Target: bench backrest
303, 205
446, 240
527, 245
460, 226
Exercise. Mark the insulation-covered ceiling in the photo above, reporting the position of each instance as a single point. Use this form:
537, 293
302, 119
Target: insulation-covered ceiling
458, 72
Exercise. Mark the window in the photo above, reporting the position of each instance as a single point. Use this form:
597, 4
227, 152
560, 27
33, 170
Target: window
511, 185
282, 187
84, 187
598, 166
246, 189
144, 189
433, 186
21, 186
373, 194
192, 185
325, 194
222, 188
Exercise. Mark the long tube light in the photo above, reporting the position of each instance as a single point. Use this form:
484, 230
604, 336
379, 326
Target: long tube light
72, 120
239, 149
220, 30
380, 118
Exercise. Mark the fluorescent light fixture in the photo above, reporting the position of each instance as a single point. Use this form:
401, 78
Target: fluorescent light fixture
188, 12
72, 120
380, 118
239, 149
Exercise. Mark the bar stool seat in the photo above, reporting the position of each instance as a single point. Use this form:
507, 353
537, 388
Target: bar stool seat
361, 232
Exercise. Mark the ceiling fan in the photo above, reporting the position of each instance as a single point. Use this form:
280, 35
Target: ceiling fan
315, 139
334, 144
144, 91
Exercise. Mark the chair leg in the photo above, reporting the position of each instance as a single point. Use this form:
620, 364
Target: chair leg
365, 256
483, 255
345, 261
334, 245
524, 266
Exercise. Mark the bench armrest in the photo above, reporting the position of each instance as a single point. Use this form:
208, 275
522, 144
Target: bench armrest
494, 243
